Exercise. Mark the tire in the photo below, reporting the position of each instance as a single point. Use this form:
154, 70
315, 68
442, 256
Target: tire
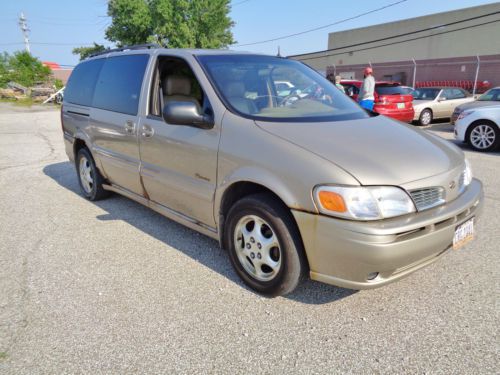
483, 136
425, 117
89, 177
272, 270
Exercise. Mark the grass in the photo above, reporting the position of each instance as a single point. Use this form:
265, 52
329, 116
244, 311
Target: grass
24, 102
3, 356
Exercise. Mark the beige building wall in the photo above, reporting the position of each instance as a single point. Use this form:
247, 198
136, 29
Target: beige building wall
480, 40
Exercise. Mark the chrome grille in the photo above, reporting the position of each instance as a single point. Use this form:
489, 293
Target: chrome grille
428, 197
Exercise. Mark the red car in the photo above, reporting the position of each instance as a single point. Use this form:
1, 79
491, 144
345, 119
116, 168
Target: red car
391, 99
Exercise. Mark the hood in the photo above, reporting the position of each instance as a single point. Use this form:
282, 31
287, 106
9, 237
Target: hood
477, 104
376, 150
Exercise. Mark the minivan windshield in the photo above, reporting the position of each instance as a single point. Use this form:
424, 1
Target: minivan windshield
276, 89
426, 93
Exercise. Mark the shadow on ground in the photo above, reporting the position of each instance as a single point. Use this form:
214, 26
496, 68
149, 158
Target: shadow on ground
193, 244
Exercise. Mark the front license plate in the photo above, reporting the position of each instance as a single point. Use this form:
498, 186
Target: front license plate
463, 234
401, 105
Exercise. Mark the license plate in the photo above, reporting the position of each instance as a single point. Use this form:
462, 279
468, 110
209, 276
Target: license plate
463, 234
401, 105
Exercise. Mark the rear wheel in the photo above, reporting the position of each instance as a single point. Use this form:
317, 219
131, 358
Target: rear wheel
89, 176
484, 136
264, 245
425, 117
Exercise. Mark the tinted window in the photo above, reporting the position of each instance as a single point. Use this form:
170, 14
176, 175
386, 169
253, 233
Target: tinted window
493, 95
457, 94
425, 93
81, 84
446, 94
119, 85
390, 90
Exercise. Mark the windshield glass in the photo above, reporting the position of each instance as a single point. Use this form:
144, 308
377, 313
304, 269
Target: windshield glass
276, 89
491, 95
426, 94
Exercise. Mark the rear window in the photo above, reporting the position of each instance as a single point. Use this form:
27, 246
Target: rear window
390, 90
119, 85
81, 84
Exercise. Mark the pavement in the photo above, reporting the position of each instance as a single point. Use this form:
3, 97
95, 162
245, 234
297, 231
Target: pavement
112, 287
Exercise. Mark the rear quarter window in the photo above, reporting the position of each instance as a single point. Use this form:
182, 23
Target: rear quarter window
119, 85
81, 84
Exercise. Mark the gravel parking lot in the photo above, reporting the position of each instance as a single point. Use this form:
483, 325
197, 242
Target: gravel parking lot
112, 287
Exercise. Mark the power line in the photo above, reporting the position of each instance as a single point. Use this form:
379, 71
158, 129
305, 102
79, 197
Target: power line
404, 34
240, 2
401, 41
322, 27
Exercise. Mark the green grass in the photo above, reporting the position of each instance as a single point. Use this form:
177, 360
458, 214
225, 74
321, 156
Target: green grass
3, 356
25, 102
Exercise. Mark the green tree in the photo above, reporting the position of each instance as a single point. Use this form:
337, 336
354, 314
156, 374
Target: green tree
22, 68
85, 52
171, 23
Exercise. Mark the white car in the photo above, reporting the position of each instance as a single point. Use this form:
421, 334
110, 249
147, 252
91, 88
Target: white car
480, 128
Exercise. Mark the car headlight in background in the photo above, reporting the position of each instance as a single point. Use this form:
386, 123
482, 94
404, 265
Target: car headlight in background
363, 203
464, 114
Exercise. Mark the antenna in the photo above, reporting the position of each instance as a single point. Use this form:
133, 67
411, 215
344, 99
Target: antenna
24, 28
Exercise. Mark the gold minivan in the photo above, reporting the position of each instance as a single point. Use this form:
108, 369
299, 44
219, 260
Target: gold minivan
303, 184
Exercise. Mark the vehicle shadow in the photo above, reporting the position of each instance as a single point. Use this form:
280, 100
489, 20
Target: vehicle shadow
193, 244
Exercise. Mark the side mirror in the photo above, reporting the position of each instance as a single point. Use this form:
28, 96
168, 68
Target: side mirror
186, 113
442, 99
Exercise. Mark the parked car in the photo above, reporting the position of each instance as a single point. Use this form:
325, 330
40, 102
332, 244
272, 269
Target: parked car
479, 127
391, 99
437, 102
489, 98
311, 186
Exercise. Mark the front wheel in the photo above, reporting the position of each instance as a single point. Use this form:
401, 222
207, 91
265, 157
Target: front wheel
484, 136
264, 245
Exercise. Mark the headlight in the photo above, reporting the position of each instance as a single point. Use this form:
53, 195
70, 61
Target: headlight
467, 173
363, 203
464, 114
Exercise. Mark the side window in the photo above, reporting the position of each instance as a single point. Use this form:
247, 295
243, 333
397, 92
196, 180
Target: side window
81, 84
458, 94
446, 94
119, 85
174, 80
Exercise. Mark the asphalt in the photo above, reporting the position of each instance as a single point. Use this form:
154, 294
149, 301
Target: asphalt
112, 287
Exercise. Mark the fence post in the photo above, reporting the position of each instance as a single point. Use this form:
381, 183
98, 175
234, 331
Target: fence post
477, 74
414, 73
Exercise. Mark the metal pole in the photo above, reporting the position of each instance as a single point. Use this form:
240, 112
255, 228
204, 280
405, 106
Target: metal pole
414, 73
25, 30
477, 74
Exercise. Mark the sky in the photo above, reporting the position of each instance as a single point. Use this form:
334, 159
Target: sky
57, 26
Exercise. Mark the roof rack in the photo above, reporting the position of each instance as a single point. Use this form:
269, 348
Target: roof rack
127, 48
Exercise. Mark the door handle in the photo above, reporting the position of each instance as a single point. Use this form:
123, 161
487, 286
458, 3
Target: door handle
147, 131
130, 127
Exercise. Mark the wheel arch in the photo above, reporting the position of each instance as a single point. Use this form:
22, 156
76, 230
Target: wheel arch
477, 122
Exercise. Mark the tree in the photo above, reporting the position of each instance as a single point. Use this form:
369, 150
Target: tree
171, 23
22, 68
85, 52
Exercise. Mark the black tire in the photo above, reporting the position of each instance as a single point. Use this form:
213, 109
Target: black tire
291, 252
425, 117
96, 191
488, 128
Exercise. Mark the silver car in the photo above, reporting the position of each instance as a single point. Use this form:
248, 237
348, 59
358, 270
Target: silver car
437, 102
489, 98
290, 186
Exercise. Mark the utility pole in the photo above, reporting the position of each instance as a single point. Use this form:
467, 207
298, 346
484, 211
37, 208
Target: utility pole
24, 28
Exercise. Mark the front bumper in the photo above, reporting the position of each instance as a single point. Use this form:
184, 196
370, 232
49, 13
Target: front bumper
345, 252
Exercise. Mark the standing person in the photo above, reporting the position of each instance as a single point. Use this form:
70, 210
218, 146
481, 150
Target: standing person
338, 84
366, 96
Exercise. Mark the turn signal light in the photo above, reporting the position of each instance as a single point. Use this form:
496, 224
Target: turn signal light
332, 201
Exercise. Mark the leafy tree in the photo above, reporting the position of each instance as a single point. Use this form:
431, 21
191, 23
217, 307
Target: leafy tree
171, 23
22, 68
85, 52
